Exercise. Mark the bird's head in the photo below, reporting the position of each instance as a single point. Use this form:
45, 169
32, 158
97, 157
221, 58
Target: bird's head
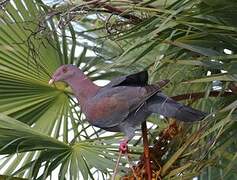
63, 73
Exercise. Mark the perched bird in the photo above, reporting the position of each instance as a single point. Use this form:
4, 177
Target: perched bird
124, 103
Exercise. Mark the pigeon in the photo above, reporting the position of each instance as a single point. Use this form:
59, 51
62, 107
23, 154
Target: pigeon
124, 103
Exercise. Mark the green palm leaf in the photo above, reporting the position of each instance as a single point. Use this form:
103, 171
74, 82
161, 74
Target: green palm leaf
31, 50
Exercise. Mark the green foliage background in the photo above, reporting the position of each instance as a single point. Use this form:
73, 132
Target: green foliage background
41, 127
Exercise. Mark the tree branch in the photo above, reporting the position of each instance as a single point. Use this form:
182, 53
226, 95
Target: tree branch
146, 151
121, 13
199, 95
114, 10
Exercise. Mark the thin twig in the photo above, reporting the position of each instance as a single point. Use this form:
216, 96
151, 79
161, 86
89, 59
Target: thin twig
146, 151
116, 166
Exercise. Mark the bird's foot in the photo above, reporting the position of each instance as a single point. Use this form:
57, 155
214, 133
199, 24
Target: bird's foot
123, 147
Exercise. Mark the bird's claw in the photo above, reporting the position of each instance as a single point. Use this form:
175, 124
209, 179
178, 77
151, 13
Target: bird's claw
123, 147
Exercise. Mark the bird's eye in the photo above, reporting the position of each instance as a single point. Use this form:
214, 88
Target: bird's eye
64, 70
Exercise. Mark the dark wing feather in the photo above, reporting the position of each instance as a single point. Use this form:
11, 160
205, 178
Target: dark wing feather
137, 79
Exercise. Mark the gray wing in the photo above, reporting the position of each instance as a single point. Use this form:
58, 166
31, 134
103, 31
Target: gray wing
112, 106
119, 102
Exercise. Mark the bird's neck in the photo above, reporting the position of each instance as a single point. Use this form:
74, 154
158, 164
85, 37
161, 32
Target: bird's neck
82, 87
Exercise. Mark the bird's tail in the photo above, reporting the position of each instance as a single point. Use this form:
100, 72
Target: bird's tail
167, 107
189, 114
